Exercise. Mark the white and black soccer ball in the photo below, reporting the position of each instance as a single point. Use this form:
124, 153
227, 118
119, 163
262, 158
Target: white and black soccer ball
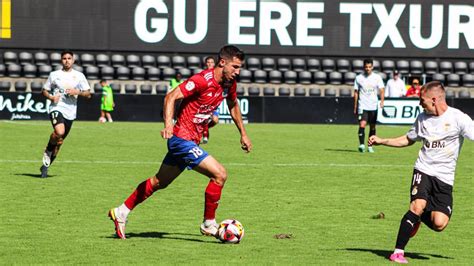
230, 231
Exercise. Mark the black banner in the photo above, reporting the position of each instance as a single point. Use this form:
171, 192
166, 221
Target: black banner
406, 28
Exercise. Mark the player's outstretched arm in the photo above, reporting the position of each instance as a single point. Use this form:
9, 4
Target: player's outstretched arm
399, 142
168, 112
236, 115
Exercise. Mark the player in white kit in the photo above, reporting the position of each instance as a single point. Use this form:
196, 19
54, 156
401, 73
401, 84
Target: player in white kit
62, 88
442, 130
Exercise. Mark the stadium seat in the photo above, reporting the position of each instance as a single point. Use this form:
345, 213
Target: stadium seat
431, 67
299, 91
416, 67
178, 61
328, 65
315, 92
345, 92
138, 73
464, 94
168, 73
313, 64
284, 91
29, 71
453, 80
268, 63
163, 61
403, 66
118, 60
123, 73
41, 58
471, 67
329, 92
268, 91
78, 68
252, 64
87, 60
185, 72
97, 88
468, 80
253, 91
148, 61
146, 89
335, 78
445, 67
5, 85
305, 77
290, 77
284, 64
450, 93
387, 66
102, 60
343, 65
25, 58
153, 73
383, 75
10, 57
194, 62
439, 77
358, 66
3, 70
116, 87
92, 72
44, 70
199, 70
245, 76
161, 89
14, 70
320, 77
130, 88
460, 67
349, 78
376, 65
20, 85
36, 86
107, 72
298, 64
240, 90
260, 76
133, 60
55, 59
275, 77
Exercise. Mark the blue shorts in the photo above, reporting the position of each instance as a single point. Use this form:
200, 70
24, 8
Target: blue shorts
183, 153
216, 113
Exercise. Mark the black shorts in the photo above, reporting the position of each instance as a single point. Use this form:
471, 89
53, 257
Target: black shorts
57, 117
369, 116
438, 195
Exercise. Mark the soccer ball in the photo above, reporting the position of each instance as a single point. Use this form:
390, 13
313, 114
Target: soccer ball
230, 231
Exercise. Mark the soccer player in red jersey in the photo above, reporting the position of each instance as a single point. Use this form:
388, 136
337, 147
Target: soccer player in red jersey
200, 95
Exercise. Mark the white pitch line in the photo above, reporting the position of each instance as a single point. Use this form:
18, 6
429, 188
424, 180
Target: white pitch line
229, 164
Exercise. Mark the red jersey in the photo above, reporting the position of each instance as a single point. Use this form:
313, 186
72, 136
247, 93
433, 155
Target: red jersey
202, 95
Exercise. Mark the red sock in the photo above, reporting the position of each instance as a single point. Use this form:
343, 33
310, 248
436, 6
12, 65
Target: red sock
212, 197
143, 191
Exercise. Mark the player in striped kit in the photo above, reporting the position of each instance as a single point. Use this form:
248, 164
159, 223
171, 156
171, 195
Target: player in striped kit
201, 94
442, 130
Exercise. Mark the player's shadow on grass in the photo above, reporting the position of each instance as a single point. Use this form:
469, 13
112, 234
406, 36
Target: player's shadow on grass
386, 254
165, 235
342, 150
35, 175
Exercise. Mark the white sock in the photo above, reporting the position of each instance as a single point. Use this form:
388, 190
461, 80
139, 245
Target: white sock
399, 251
123, 211
210, 222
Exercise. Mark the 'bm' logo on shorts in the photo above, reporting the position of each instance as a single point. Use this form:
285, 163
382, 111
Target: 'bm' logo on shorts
5, 30
435, 144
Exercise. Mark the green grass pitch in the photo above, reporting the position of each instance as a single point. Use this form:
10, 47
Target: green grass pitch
305, 181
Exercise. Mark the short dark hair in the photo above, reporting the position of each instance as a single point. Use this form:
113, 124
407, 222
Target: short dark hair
67, 52
209, 57
229, 52
102, 81
368, 61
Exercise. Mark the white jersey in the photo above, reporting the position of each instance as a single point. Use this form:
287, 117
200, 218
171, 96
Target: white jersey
395, 88
368, 86
442, 138
58, 81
